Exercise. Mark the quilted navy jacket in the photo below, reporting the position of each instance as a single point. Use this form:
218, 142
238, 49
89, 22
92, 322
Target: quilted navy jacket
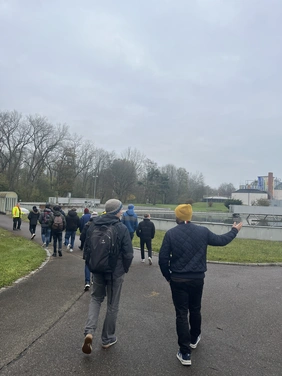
183, 253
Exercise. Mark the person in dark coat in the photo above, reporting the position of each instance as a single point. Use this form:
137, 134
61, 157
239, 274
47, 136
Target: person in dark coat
33, 217
73, 222
146, 232
57, 231
109, 284
82, 238
83, 220
183, 262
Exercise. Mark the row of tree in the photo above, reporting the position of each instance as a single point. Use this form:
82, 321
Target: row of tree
40, 160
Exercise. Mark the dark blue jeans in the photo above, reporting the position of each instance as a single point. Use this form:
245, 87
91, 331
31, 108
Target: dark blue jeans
70, 238
57, 238
187, 297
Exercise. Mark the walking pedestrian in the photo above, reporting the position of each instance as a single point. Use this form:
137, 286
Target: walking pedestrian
58, 225
45, 220
87, 273
17, 217
72, 224
83, 220
33, 217
130, 220
182, 261
108, 284
146, 232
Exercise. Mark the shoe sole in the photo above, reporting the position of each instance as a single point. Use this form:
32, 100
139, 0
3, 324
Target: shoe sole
87, 345
109, 344
150, 262
194, 345
184, 362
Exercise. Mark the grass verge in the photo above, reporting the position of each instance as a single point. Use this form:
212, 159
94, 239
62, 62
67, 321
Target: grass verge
239, 250
18, 257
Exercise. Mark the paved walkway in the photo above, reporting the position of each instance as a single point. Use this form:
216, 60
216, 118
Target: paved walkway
42, 320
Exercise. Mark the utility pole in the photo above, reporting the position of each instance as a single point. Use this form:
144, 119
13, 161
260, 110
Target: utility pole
95, 177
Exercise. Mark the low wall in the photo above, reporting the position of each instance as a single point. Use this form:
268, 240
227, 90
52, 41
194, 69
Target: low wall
247, 232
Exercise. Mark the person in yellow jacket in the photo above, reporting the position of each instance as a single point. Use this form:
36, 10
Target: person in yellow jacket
17, 217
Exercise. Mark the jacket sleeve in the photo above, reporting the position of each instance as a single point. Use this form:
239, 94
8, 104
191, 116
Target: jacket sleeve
221, 240
126, 250
164, 257
138, 230
153, 231
29, 216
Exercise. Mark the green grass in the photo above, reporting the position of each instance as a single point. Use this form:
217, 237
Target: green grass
239, 250
18, 257
197, 207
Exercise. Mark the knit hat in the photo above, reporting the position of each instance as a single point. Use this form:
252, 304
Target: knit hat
86, 211
47, 205
56, 208
130, 206
184, 212
113, 206
34, 207
94, 214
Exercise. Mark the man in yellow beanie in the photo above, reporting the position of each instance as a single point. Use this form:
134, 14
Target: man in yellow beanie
183, 262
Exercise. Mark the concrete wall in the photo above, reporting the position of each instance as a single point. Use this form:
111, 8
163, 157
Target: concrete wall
247, 232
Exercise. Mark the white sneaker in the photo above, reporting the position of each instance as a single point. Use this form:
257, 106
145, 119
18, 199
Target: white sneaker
68, 246
150, 260
71, 249
143, 260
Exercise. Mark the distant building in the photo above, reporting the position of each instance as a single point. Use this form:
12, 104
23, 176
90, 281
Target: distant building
249, 196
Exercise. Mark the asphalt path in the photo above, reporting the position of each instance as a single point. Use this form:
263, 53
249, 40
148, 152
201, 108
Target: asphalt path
42, 320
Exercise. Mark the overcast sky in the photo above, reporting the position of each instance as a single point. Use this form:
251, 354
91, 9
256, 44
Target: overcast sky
194, 83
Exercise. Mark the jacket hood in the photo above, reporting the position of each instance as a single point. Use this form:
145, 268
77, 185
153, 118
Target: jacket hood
130, 211
106, 219
47, 210
35, 211
57, 213
72, 213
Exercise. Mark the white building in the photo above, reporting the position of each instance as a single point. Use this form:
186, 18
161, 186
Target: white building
249, 196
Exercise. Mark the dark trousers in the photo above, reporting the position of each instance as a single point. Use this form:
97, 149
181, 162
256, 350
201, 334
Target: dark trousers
17, 223
32, 229
187, 297
57, 236
148, 243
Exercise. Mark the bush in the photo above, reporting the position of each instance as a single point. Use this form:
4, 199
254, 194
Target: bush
229, 202
262, 202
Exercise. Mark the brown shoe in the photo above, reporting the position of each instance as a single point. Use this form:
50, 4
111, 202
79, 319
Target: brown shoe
87, 345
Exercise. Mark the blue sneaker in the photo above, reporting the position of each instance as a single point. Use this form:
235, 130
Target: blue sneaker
185, 359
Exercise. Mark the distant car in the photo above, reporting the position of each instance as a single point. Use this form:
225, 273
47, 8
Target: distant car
25, 211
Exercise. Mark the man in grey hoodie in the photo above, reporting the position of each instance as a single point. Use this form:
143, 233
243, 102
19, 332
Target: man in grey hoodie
108, 284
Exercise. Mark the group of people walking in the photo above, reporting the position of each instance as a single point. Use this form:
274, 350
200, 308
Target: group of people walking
182, 261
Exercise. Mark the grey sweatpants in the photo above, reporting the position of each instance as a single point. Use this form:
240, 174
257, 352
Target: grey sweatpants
102, 288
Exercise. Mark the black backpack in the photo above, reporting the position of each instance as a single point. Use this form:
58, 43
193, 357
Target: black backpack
102, 250
58, 224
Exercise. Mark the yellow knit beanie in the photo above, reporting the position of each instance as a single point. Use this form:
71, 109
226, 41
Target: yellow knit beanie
184, 212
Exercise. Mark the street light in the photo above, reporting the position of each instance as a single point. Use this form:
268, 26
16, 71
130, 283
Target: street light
95, 176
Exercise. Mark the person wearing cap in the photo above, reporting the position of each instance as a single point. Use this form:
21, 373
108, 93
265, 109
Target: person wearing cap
130, 220
108, 284
183, 262
146, 232
33, 217
72, 224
